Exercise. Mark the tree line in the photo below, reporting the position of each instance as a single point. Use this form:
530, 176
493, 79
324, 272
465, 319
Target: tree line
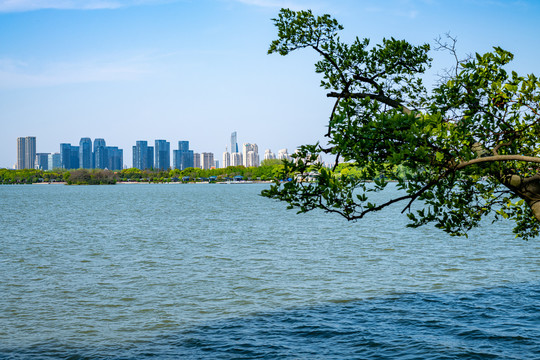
269, 170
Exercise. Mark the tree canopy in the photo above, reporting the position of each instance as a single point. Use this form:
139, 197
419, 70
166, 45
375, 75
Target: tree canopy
470, 142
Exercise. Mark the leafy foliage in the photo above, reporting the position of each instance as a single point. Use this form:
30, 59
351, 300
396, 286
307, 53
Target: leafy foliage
467, 148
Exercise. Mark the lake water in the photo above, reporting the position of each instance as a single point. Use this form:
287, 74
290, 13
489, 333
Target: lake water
216, 271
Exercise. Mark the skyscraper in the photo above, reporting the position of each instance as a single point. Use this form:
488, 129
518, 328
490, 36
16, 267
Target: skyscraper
250, 155
85, 153
226, 158
30, 152
183, 157
100, 154
234, 143
74, 161
65, 156
196, 160
143, 155
207, 161
162, 154
54, 161
269, 155
236, 159
115, 158
21, 151
42, 161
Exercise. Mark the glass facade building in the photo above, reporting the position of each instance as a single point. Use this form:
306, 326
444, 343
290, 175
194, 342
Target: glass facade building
42, 161
143, 155
183, 157
101, 159
85, 153
162, 155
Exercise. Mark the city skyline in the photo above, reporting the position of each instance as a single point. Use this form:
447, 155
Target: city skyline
97, 155
197, 70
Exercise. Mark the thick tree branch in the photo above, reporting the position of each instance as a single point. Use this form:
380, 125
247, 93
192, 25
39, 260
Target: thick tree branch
499, 158
381, 98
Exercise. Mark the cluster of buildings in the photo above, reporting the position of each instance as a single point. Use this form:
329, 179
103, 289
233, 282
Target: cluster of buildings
83, 156
98, 155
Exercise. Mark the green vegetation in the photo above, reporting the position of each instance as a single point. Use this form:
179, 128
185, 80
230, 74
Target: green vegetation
465, 150
269, 170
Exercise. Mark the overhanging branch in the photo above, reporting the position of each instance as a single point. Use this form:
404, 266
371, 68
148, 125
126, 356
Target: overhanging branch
381, 98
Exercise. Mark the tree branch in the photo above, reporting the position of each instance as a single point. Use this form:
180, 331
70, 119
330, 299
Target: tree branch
381, 98
499, 158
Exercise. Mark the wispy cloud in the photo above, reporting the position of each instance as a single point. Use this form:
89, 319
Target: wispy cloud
294, 5
30, 5
19, 74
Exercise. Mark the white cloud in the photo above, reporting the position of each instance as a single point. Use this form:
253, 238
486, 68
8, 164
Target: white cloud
30, 5
296, 5
18, 74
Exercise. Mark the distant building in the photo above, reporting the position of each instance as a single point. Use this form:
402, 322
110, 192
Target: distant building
30, 152
21, 151
250, 155
283, 154
101, 157
115, 158
207, 161
54, 161
236, 159
162, 155
143, 155
183, 157
42, 161
75, 162
234, 143
269, 155
26, 152
226, 158
197, 160
65, 156
85, 153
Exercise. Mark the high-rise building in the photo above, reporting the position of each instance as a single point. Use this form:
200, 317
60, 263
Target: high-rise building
54, 161
30, 152
85, 153
163, 155
183, 157
75, 162
143, 155
115, 158
42, 161
207, 161
65, 156
26, 152
253, 158
283, 155
101, 158
21, 151
236, 159
197, 160
234, 143
269, 155
226, 158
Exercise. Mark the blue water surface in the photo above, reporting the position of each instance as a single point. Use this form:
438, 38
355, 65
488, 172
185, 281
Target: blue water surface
216, 271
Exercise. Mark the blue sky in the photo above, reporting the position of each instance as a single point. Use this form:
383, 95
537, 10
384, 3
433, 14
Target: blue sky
128, 70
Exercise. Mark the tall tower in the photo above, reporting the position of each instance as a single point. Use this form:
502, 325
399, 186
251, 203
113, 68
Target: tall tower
140, 153
163, 154
29, 152
100, 154
234, 143
21, 148
65, 156
226, 158
85, 153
